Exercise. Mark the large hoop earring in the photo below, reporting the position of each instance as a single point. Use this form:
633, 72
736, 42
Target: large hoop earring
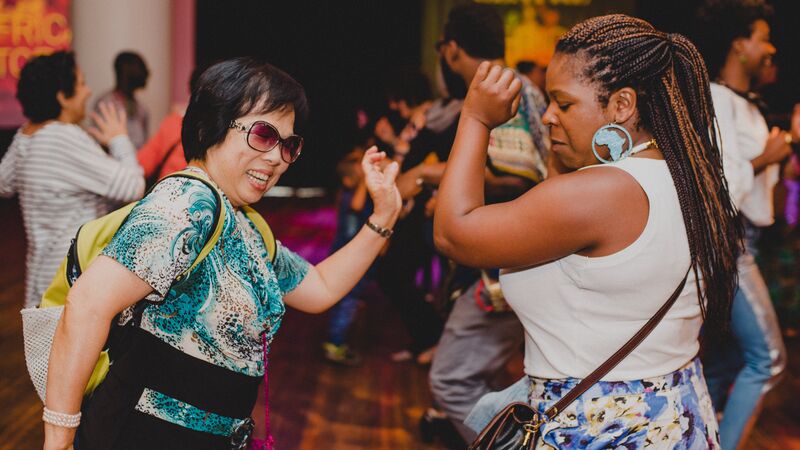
607, 136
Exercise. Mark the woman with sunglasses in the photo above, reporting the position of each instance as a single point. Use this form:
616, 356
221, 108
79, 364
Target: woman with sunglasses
192, 365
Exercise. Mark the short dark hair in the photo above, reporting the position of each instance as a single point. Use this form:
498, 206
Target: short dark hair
41, 79
720, 22
231, 89
127, 59
526, 67
478, 29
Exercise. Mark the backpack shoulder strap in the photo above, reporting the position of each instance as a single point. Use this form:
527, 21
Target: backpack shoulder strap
263, 229
219, 218
94, 236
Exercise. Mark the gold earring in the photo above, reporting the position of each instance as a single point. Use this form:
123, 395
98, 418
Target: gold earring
742, 58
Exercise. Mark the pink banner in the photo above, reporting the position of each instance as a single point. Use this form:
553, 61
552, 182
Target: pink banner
27, 28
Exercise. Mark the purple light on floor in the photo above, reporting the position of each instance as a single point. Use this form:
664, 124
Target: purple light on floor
307, 232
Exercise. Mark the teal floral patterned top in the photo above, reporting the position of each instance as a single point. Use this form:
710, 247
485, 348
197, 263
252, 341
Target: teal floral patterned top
219, 312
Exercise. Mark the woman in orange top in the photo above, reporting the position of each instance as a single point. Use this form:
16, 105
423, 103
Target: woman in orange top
163, 152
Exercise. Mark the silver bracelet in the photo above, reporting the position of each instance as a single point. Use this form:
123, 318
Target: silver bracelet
383, 232
61, 419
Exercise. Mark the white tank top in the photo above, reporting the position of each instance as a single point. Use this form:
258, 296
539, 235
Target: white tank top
577, 311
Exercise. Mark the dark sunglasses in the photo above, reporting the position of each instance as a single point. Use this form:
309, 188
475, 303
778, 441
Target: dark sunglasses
263, 137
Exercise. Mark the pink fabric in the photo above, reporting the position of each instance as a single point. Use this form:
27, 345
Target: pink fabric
182, 48
269, 442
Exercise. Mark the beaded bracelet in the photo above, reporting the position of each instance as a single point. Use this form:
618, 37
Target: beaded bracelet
383, 232
61, 419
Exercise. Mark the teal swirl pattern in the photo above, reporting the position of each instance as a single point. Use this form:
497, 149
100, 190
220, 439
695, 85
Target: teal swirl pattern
222, 310
181, 413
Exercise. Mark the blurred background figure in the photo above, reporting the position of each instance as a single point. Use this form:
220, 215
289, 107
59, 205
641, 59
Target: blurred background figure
62, 175
734, 38
131, 75
163, 152
535, 73
353, 210
481, 324
410, 250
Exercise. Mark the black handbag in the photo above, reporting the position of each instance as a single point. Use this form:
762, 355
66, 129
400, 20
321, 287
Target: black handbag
516, 427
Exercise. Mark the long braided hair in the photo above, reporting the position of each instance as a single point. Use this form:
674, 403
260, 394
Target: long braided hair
674, 104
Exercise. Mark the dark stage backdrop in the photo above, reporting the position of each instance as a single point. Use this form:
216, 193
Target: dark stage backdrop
343, 51
340, 51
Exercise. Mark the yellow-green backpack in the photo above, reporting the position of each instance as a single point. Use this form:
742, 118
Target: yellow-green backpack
39, 323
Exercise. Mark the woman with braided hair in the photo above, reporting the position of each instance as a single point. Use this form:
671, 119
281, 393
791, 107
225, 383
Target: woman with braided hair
593, 252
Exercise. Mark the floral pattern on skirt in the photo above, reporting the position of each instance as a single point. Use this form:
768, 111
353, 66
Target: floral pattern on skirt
673, 411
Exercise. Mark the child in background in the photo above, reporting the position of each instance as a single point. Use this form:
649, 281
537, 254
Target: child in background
354, 207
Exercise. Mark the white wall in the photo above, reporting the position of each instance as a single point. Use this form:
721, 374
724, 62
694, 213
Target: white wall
103, 28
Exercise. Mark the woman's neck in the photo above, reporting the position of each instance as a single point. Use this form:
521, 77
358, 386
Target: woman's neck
734, 76
30, 128
68, 117
199, 164
644, 146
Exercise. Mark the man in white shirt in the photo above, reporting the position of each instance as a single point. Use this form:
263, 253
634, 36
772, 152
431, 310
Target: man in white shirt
734, 39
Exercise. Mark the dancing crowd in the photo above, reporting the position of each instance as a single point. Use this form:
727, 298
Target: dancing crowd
539, 212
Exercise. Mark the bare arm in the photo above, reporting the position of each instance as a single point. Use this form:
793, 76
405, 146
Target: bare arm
550, 221
504, 184
431, 174
123, 176
329, 281
775, 151
81, 334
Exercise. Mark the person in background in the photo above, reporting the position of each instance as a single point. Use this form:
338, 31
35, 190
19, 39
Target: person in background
480, 324
410, 249
62, 175
163, 153
354, 209
734, 38
408, 100
534, 72
131, 73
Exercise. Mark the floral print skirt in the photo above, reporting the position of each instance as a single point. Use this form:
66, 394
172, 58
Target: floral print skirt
673, 411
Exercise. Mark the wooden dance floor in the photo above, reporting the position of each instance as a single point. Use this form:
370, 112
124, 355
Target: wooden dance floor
314, 405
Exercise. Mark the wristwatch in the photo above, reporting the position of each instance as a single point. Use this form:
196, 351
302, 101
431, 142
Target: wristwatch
383, 232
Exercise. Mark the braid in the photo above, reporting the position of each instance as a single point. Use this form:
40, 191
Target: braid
674, 103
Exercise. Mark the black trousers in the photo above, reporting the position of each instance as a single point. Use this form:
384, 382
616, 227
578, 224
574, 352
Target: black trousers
411, 250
